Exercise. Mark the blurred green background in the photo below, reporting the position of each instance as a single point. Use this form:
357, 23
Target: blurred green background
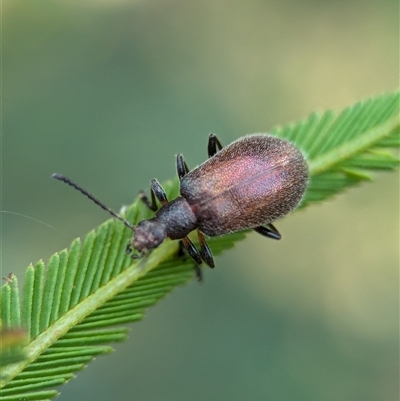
107, 92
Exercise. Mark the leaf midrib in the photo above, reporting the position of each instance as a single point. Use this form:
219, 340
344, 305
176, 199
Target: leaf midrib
351, 148
87, 306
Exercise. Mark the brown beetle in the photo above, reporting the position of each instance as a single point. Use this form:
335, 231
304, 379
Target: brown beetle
250, 183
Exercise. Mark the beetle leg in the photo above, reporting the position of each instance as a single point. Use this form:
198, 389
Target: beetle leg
181, 250
158, 192
198, 273
268, 231
214, 145
194, 253
191, 249
135, 256
129, 248
151, 204
181, 166
205, 251
182, 253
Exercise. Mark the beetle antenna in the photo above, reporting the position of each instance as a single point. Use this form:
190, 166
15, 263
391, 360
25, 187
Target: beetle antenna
62, 178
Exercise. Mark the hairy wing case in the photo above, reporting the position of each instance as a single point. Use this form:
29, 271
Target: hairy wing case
243, 185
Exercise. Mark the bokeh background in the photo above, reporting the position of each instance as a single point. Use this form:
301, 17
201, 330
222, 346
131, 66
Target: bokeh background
107, 92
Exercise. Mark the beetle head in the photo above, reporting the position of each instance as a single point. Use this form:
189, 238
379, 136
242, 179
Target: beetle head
148, 234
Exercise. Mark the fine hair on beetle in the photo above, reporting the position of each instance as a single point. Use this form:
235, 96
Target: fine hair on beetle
248, 184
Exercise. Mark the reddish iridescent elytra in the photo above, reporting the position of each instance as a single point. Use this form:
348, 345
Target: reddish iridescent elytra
250, 183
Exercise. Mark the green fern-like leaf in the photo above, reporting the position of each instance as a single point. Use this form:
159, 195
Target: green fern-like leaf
70, 309
343, 149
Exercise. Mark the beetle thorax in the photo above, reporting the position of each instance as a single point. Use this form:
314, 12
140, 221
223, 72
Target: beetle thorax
178, 218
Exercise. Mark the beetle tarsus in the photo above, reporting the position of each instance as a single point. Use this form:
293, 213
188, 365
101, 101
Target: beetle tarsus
198, 273
214, 145
152, 205
268, 231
